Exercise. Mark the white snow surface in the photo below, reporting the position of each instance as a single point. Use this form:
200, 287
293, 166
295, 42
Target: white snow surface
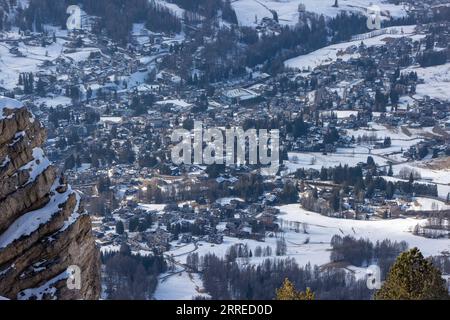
437, 82
38, 165
47, 289
287, 10
152, 207
176, 102
181, 286
9, 104
31, 221
175, 9
11, 65
312, 247
425, 204
322, 229
330, 54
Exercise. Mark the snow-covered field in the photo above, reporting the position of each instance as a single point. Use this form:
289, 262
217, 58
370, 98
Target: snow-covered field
248, 10
425, 204
322, 228
171, 6
11, 66
340, 114
52, 102
400, 141
329, 54
181, 286
312, 247
437, 82
317, 160
440, 177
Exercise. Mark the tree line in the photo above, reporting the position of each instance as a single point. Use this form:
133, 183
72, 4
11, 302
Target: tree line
230, 280
363, 252
129, 276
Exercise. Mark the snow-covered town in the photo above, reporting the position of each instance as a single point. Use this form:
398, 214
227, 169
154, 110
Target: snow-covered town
363, 119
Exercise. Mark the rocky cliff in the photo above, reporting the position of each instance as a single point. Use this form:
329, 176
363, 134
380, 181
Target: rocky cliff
44, 231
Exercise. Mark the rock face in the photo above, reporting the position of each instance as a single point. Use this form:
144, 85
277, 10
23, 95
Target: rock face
45, 235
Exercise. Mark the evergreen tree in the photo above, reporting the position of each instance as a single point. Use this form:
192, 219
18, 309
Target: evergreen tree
289, 292
120, 229
412, 277
323, 174
390, 172
370, 161
411, 178
70, 162
390, 190
40, 87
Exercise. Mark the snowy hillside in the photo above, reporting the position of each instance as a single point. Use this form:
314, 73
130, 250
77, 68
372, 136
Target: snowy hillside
171, 6
439, 77
331, 53
323, 228
311, 247
248, 10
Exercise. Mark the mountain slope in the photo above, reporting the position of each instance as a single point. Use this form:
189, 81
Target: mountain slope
249, 12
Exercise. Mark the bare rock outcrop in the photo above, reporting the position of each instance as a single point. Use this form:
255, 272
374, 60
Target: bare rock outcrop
46, 240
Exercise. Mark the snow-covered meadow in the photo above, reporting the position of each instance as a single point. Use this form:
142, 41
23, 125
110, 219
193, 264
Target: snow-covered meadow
11, 65
251, 11
436, 82
312, 247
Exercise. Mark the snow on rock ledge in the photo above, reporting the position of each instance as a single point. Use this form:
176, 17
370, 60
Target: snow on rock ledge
43, 227
8, 104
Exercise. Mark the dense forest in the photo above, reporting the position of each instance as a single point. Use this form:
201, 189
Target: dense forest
129, 276
432, 58
209, 8
362, 252
231, 278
